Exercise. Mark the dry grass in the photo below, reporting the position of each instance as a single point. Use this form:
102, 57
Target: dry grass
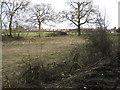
52, 53
49, 49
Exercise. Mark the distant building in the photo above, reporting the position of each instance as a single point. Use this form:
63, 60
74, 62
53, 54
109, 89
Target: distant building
113, 30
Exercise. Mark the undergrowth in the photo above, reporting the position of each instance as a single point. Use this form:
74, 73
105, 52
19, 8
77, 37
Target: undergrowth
37, 74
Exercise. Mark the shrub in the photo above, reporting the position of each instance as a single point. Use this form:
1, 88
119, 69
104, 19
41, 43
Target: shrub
58, 33
98, 45
50, 34
118, 30
35, 74
100, 42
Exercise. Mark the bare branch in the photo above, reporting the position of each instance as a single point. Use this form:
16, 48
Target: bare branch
12, 7
42, 14
80, 13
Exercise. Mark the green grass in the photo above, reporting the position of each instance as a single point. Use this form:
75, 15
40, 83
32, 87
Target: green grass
29, 34
114, 33
34, 34
72, 32
90, 72
26, 34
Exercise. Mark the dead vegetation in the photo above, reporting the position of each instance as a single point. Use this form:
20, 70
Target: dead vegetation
89, 65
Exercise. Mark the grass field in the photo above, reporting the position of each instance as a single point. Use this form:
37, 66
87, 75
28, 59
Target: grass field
34, 33
26, 34
49, 49
15, 52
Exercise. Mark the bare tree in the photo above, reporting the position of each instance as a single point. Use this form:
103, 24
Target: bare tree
2, 13
102, 21
80, 13
42, 14
14, 7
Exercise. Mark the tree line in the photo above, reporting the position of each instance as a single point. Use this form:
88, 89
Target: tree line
21, 12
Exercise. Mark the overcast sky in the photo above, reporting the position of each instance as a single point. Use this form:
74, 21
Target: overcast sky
111, 7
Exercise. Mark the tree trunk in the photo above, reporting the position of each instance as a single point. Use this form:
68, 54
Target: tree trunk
39, 29
10, 26
79, 32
